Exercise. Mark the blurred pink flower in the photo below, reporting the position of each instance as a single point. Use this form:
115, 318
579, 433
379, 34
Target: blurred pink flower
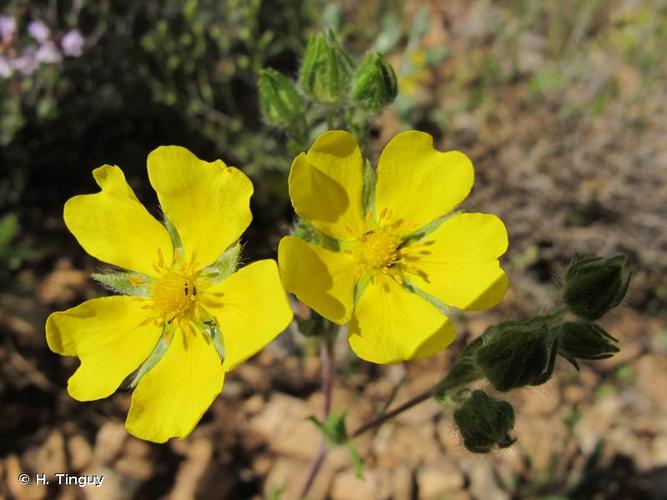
26, 63
6, 69
72, 43
39, 31
7, 28
48, 53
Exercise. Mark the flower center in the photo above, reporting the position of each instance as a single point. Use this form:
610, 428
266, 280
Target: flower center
175, 294
378, 250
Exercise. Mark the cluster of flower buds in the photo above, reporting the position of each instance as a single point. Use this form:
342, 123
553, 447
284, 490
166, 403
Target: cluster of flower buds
515, 354
328, 78
24, 54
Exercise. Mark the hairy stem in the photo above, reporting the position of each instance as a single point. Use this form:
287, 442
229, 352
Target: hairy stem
328, 372
377, 421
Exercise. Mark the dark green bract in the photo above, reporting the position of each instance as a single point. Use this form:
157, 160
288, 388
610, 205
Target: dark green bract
594, 285
485, 422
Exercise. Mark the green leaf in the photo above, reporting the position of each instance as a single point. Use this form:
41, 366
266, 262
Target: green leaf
334, 428
357, 461
9, 226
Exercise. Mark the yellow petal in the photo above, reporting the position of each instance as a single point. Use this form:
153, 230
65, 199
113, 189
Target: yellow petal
114, 227
251, 308
416, 184
460, 266
390, 325
173, 396
326, 185
322, 279
208, 203
111, 337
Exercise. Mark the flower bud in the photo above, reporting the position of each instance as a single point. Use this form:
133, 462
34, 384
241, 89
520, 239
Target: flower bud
374, 83
279, 101
516, 353
584, 340
594, 285
485, 422
326, 69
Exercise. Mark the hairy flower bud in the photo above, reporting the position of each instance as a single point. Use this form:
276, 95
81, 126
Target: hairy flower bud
584, 340
326, 69
374, 83
485, 422
516, 353
594, 285
280, 103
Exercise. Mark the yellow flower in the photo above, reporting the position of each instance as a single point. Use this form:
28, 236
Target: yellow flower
190, 318
386, 255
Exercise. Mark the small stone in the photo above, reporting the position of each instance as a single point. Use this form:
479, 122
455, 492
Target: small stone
439, 478
137, 447
134, 466
289, 475
108, 443
48, 458
192, 470
282, 424
32, 491
261, 465
596, 421
114, 486
375, 485
483, 484
80, 452
401, 483
253, 405
541, 400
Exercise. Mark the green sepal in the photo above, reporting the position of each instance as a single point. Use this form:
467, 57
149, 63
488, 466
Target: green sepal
210, 327
514, 354
153, 358
368, 197
595, 285
431, 299
224, 266
125, 283
173, 234
585, 340
360, 287
427, 229
308, 232
464, 371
